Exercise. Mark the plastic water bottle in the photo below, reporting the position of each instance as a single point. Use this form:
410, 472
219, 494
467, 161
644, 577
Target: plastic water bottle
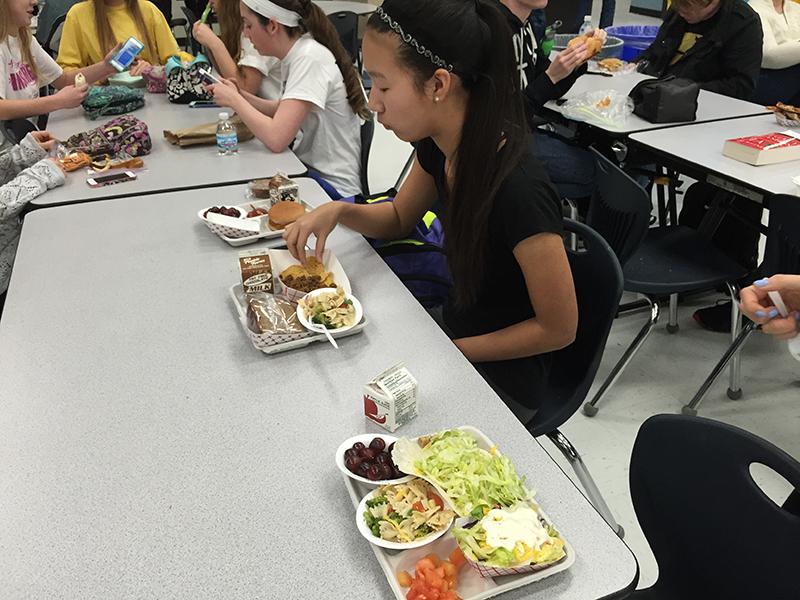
587, 25
227, 139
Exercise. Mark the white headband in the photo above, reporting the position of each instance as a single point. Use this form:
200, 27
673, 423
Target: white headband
270, 10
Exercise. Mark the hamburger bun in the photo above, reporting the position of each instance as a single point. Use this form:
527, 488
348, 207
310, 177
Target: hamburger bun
593, 44
284, 213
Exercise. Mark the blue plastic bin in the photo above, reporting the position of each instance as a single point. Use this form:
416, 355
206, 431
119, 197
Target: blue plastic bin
637, 38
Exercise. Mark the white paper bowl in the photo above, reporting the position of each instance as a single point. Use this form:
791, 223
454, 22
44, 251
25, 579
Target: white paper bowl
366, 438
305, 322
361, 523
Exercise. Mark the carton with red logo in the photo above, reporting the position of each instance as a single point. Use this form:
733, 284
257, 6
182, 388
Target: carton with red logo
390, 399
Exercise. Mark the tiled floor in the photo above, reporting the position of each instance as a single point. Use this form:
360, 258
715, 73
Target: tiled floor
662, 377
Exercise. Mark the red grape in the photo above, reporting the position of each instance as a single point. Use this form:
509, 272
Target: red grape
377, 444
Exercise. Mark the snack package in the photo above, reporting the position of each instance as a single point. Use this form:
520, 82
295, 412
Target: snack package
276, 189
390, 399
267, 314
256, 269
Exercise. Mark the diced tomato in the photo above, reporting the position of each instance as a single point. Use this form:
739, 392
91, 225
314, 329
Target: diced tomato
434, 558
440, 571
449, 568
436, 499
424, 564
457, 558
404, 579
418, 506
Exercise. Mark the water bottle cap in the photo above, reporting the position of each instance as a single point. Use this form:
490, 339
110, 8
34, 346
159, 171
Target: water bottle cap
223, 116
587, 18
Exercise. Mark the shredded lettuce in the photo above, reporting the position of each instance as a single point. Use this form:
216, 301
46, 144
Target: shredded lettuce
473, 478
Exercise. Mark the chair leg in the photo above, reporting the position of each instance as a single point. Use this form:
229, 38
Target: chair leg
573, 214
741, 338
672, 325
590, 408
595, 497
734, 385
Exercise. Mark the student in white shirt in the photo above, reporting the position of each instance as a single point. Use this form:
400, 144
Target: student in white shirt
322, 103
779, 80
234, 56
25, 67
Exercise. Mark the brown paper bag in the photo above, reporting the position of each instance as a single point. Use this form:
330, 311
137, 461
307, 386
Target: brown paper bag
205, 134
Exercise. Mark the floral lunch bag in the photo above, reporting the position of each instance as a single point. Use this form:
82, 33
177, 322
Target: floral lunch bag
123, 136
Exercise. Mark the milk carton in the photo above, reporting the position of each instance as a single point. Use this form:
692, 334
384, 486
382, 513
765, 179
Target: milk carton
390, 399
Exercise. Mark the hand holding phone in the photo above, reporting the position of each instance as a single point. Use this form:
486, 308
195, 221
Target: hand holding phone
126, 55
209, 76
95, 182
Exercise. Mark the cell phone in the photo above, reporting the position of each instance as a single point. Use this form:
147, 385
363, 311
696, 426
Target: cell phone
209, 76
129, 51
96, 182
203, 104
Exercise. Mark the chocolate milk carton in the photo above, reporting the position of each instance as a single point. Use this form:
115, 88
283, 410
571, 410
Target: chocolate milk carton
391, 398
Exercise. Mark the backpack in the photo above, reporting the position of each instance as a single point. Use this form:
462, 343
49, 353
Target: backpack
104, 100
184, 83
418, 260
123, 136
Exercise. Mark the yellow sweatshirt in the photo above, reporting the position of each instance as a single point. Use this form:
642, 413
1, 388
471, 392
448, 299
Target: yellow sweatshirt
80, 43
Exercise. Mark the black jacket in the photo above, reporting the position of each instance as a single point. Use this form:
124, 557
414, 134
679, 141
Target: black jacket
726, 60
532, 64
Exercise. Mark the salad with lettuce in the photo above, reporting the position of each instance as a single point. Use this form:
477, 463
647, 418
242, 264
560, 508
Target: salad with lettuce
474, 480
511, 537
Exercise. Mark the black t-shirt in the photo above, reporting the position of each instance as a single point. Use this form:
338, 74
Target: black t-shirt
525, 205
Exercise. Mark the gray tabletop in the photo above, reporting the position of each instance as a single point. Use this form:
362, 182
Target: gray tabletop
710, 106
168, 167
148, 451
705, 150
334, 6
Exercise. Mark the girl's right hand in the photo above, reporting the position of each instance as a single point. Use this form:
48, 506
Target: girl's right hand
70, 96
320, 221
203, 34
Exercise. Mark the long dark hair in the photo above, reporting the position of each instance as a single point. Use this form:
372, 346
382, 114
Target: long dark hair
473, 37
314, 21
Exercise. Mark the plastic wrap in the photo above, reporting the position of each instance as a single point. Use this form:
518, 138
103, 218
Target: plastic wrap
605, 107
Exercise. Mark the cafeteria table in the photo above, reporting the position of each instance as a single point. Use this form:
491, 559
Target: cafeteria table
168, 167
148, 450
696, 150
334, 6
710, 106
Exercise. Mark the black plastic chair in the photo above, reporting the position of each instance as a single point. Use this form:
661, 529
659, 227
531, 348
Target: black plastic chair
714, 532
367, 134
598, 288
658, 263
346, 25
53, 40
16, 129
781, 255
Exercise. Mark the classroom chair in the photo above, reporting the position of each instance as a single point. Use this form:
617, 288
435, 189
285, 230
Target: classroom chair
346, 25
367, 135
657, 263
781, 255
53, 40
713, 531
598, 288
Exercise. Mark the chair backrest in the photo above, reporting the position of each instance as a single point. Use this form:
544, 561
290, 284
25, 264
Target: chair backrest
367, 133
16, 129
191, 19
619, 209
598, 288
53, 40
346, 24
714, 532
782, 252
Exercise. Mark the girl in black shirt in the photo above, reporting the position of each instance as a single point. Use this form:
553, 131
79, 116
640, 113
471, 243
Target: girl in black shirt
443, 75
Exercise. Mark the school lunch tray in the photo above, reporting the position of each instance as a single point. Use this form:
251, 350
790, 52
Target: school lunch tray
237, 295
239, 237
471, 586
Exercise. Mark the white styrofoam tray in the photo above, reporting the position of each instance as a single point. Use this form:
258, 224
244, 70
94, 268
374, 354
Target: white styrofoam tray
241, 237
471, 586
